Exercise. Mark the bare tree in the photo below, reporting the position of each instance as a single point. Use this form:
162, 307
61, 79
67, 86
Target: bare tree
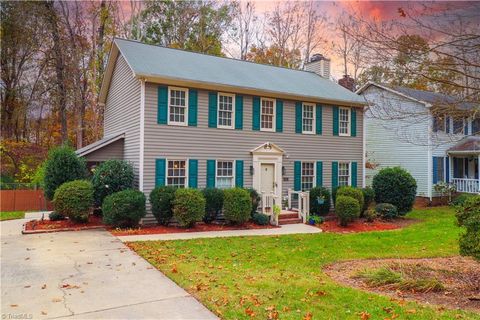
244, 26
314, 27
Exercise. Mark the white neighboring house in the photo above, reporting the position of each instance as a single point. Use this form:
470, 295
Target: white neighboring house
400, 130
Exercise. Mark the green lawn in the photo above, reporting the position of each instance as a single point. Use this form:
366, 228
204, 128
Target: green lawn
249, 277
10, 215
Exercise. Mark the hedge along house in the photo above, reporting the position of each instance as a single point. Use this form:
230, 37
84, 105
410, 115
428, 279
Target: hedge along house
194, 120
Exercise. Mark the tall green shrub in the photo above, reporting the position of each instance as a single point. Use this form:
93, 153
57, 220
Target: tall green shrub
237, 205
319, 201
62, 166
395, 186
74, 199
214, 203
468, 217
111, 176
161, 200
188, 206
347, 209
353, 192
368, 197
255, 199
124, 209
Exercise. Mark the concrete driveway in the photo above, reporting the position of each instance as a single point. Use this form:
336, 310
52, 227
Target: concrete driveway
84, 275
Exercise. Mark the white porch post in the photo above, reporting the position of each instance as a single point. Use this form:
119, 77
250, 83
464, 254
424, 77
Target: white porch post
478, 179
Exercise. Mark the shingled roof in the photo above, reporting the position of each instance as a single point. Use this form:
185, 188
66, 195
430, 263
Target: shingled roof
469, 144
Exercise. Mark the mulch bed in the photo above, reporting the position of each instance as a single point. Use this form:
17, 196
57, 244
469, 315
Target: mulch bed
43, 226
459, 276
360, 225
199, 227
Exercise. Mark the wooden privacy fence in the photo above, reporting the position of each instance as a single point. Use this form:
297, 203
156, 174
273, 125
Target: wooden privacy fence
23, 200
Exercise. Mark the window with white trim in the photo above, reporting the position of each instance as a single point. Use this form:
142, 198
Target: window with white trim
308, 175
224, 174
177, 173
476, 126
308, 118
177, 106
226, 109
458, 125
343, 174
267, 115
344, 121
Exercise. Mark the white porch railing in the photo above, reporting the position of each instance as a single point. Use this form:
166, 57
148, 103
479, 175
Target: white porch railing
270, 199
466, 185
303, 203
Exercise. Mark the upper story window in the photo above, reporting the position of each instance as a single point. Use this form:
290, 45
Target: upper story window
308, 118
476, 126
224, 174
441, 123
226, 109
177, 173
308, 175
267, 115
458, 125
344, 121
177, 106
344, 174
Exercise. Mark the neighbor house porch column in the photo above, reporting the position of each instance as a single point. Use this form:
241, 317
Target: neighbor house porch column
478, 179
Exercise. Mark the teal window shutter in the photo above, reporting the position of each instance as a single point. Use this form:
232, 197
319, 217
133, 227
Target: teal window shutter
435, 171
212, 109
238, 112
256, 113
335, 121
192, 107
160, 172
297, 175
279, 116
318, 119
192, 173
319, 181
239, 173
353, 130
334, 175
211, 173
162, 105
298, 117
354, 174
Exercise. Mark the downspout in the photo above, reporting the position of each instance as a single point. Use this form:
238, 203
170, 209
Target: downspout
429, 152
142, 134
364, 153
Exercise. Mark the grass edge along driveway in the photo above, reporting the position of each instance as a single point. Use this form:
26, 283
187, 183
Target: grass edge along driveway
281, 276
11, 215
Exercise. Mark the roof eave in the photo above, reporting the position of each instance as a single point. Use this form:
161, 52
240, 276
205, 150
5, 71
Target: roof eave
84, 152
371, 83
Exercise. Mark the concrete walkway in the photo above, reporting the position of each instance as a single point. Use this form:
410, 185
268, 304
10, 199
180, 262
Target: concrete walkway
84, 275
285, 229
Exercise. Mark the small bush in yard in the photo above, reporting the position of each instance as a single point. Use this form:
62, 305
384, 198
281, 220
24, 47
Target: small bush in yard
188, 207
255, 198
347, 209
319, 201
261, 219
161, 201
237, 205
214, 203
124, 209
468, 217
395, 186
461, 198
111, 176
370, 215
353, 192
62, 165
56, 216
74, 199
368, 197
386, 211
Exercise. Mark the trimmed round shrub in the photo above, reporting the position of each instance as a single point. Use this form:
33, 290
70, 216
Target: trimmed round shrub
255, 199
461, 198
386, 211
368, 197
74, 200
188, 207
111, 176
468, 217
353, 192
316, 195
237, 205
347, 209
161, 201
395, 186
56, 216
370, 215
62, 166
214, 203
124, 209
260, 219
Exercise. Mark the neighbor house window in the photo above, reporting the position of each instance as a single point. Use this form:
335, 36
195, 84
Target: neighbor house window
440, 169
226, 109
224, 174
442, 123
267, 114
308, 118
177, 173
476, 126
343, 174
177, 106
458, 126
344, 121
308, 175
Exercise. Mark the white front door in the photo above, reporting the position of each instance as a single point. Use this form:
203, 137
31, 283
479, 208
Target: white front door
267, 177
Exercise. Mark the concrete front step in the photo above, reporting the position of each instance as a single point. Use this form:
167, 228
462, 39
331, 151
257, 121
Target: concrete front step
289, 221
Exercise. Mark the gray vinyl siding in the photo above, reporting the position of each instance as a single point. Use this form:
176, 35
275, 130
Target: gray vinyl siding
122, 111
112, 151
202, 142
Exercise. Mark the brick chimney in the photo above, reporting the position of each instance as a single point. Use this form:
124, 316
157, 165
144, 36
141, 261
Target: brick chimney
320, 65
347, 82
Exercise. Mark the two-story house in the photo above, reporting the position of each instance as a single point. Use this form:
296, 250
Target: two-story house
431, 135
194, 120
